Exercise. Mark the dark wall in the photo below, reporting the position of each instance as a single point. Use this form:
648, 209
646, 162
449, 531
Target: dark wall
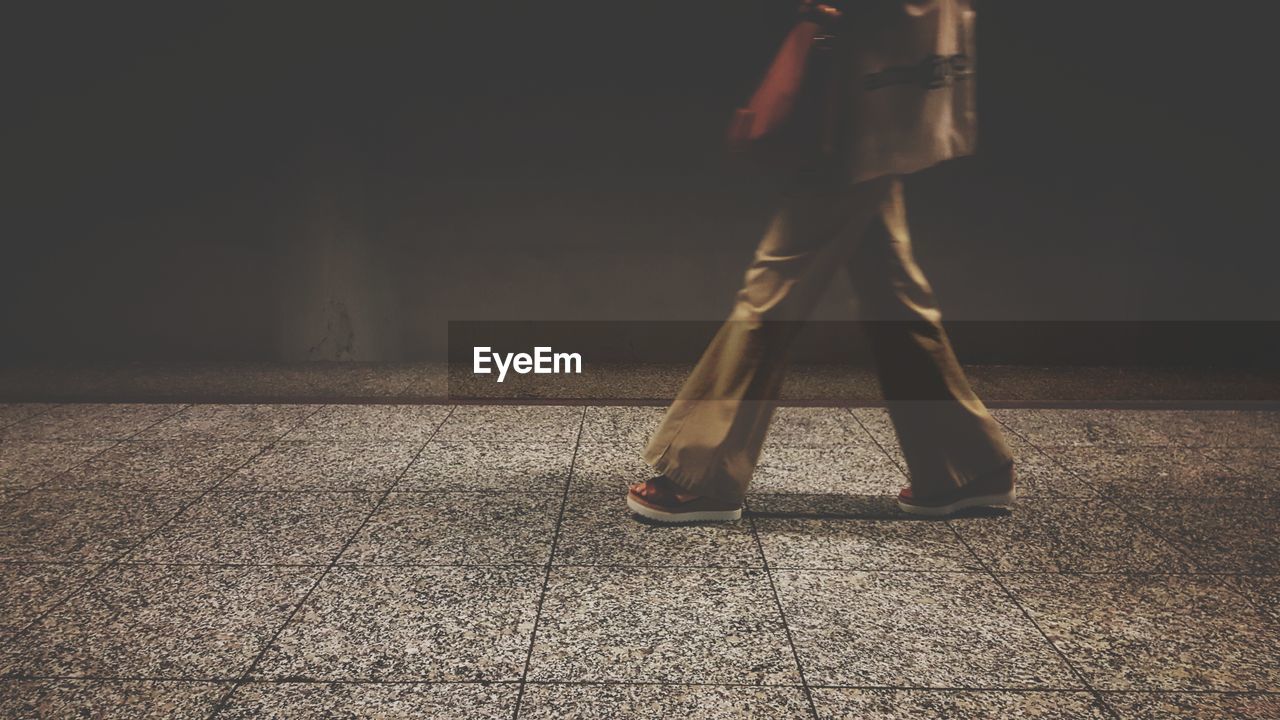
209, 180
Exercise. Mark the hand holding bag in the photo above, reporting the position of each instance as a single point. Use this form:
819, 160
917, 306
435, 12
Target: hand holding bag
789, 124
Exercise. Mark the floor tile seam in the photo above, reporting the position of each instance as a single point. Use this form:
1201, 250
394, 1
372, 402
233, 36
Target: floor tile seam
1197, 691
973, 555
25, 418
956, 688
852, 432
1104, 495
215, 489
114, 444
755, 568
1111, 501
953, 689
1180, 496
550, 565
1075, 671
782, 617
1222, 463
104, 566
1050, 451
17, 678
201, 494
1178, 547
246, 675
892, 456
142, 398
212, 489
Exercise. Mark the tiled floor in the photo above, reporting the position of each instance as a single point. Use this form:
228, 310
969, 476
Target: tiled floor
186, 561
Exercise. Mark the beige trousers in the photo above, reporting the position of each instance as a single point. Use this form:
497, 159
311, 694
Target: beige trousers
711, 437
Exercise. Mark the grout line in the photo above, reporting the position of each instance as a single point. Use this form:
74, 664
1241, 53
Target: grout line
115, 443
21, 420
244, 677
1108, 499
893, 459
782, 615
204, 493
105, 565
985, 567
119, 559
1263, 405
621, 683
649, 566
1232, 588
1097, 694
551, 556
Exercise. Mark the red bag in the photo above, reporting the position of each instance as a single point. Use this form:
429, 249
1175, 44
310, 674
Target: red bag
790, 121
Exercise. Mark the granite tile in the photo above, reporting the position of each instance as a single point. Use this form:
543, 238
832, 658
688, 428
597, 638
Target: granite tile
813, 427
371, 423
1261, 466
289, 465
490, 466
1194, 706
878, 425
609, 468
386, 701
1049, 428
11, 413
90, 421
1164, 471
230, 422
1261, 590
72, 526
267, 528
598, 529
807, 532
28, 589
853, 470
1154, 632
138, 699
192, 622
1234, 535
1038, 474
1104, 384
157, 467
872, 704
925, 630
410, 623
512, 424
823, 383
667, 625
1212, 428
1042, 473
814, 506
691, 702
430, 383
631, 426
415, 528
1067, 535
26, 464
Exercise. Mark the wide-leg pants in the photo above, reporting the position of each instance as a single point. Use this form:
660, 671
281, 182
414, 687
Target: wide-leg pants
710, 439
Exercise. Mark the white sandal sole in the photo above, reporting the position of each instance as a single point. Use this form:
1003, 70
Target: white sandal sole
683, 517
1006, 499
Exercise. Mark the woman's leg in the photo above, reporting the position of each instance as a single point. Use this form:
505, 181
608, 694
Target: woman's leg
711, 437
948, 438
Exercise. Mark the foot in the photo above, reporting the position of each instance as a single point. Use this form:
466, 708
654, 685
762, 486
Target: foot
994, 490
659, 499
